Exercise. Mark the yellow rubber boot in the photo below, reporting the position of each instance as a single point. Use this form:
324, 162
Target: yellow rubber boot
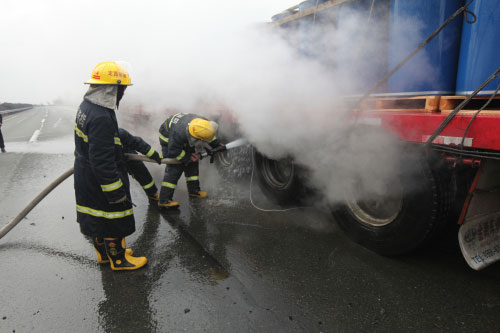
119, 259
100, 250
168, 204
199, 194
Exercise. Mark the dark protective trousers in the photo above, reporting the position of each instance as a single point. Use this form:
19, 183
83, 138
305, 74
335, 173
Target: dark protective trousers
172, 174
139, 172
2, 145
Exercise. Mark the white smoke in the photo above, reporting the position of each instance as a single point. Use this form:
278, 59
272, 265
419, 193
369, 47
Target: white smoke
285, 93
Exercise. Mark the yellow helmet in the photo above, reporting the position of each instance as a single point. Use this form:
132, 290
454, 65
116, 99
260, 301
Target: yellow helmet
202, 129
109, 72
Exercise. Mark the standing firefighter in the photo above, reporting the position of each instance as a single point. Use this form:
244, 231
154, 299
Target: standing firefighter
132, 144
178, 136
2, 145
103, 205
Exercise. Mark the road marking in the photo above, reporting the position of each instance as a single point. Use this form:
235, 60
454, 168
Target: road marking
34, 137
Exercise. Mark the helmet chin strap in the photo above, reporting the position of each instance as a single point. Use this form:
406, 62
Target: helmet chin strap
119, 94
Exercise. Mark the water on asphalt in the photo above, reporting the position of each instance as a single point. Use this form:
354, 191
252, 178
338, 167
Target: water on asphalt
217, 264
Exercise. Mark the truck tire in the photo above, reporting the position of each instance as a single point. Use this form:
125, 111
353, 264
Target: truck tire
235, 164
456, 183
280, 180
406, 220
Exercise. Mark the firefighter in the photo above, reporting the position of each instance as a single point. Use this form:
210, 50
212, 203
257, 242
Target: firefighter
178, 136
102, 189
2, 145
133, 144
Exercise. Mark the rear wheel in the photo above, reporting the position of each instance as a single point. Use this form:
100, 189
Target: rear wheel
410, 211
236, 163
233, 164
281, 180
455, 182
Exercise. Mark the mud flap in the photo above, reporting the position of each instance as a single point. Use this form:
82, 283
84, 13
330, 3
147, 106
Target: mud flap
479, 240
479, 234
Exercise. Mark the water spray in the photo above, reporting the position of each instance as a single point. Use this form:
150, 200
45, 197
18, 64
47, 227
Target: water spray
236, 143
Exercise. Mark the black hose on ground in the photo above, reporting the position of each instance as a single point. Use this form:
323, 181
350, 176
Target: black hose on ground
9, 226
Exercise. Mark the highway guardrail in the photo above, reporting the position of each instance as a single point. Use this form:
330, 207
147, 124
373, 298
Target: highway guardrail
5, 112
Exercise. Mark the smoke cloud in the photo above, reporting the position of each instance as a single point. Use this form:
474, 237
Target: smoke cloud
285, 91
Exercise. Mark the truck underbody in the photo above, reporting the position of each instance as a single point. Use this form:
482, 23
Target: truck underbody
446, 168
412, 215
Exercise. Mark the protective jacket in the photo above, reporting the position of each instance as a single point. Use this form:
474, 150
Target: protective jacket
2, 145
176, 142
102, 188
174, 134
133, 144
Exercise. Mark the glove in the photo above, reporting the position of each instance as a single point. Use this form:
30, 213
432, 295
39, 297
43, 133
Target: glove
156, 157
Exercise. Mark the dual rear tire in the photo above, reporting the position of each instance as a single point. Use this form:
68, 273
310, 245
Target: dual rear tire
235, 164
282, 181
414, 208
413, 211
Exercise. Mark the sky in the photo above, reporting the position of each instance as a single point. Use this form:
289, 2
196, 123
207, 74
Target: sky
50, 47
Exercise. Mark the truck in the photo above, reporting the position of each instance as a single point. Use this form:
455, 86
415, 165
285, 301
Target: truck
444, 120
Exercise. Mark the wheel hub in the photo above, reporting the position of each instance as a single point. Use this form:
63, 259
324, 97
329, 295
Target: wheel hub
375, 208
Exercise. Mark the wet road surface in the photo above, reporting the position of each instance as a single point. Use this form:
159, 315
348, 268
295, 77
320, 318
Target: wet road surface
217, 264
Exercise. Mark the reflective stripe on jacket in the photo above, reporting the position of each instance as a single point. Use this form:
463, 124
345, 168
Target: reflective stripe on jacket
100, 174
132, 143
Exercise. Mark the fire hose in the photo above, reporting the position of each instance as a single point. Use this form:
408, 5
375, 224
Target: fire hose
9, 226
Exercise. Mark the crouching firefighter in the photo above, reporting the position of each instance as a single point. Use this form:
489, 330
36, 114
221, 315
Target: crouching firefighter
132, 144
102, 189
178, 136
